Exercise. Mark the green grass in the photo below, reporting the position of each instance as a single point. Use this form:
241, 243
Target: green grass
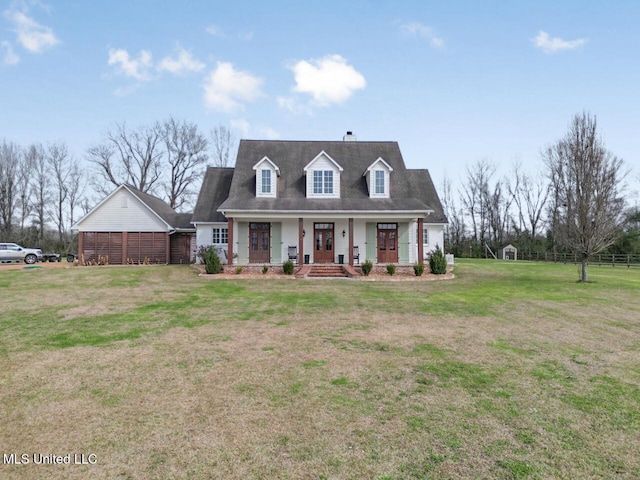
512, 370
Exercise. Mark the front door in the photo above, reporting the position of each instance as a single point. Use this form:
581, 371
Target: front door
259, 243
387, 243
323, 243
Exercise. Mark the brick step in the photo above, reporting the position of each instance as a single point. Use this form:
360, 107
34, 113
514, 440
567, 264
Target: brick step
327, 271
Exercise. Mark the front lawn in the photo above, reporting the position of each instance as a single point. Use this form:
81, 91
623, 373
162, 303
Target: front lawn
510, 370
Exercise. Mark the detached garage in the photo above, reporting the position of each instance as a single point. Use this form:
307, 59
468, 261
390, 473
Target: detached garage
130, 226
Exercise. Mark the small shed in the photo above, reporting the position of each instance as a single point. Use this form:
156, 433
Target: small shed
508, 252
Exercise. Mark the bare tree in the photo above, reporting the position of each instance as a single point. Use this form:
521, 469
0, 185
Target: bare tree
41, 188
186, 152
476, 198
25, 171
128, 156
9, 167
455, 229
58, 160
77, 186
498, 213
586, 179
530, 196
223, 144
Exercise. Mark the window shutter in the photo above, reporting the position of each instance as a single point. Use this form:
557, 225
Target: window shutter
403, 243
243, 242
276, 242
372, 249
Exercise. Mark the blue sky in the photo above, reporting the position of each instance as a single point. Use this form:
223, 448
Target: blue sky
452, 82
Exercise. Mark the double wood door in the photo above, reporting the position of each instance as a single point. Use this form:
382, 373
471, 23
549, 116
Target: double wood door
259, 243
323, 235
387, 243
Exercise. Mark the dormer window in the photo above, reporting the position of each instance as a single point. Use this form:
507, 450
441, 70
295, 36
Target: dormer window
378, 178
266, 176
323, 177
323, 182
379, 181
266, 180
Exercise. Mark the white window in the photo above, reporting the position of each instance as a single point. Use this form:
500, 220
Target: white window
220, 236
379, 182
266, 180
425, 236
323, 182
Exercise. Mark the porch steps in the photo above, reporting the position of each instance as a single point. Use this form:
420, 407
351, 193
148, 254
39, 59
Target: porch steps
327, 271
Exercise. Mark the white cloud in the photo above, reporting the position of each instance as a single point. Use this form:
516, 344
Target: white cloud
10, 57
418, 30
291, 104
226, 87
329, 80
248, 131
137, 69
242, 125
214, 31
33, 37
556, 44
183, 64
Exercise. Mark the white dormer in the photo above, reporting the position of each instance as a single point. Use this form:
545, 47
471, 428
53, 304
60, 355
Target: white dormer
266, 176
378, 178
323, 177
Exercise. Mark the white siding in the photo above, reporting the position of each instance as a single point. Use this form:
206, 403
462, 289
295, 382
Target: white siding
371, 182
113, 216
323, 163
266, 166
436, 238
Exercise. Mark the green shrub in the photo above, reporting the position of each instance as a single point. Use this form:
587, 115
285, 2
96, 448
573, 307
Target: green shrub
210, 258
265, 269
238, 270
391, 269
288, 267
437, 262
418, 269
367, 266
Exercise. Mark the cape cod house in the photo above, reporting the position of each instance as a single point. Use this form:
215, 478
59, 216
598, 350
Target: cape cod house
319, 202
314, 202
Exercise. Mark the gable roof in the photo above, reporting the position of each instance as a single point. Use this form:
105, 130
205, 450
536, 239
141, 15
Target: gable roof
156, 206
322, 154
354, 157
379, 160
214, 191
266, 159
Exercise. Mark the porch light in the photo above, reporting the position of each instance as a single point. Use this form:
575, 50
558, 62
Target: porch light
343, 233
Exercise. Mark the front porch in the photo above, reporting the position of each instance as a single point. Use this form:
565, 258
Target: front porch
324, 240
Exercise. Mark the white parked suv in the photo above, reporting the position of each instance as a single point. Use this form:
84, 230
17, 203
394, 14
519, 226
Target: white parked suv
12, 252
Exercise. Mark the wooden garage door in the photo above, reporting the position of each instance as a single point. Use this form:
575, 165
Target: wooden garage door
180, 248
149, 246
102, 244
139, 246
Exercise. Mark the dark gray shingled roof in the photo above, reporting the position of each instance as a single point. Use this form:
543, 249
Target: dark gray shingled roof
408, 191
423, 185
163, 210
214, 191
